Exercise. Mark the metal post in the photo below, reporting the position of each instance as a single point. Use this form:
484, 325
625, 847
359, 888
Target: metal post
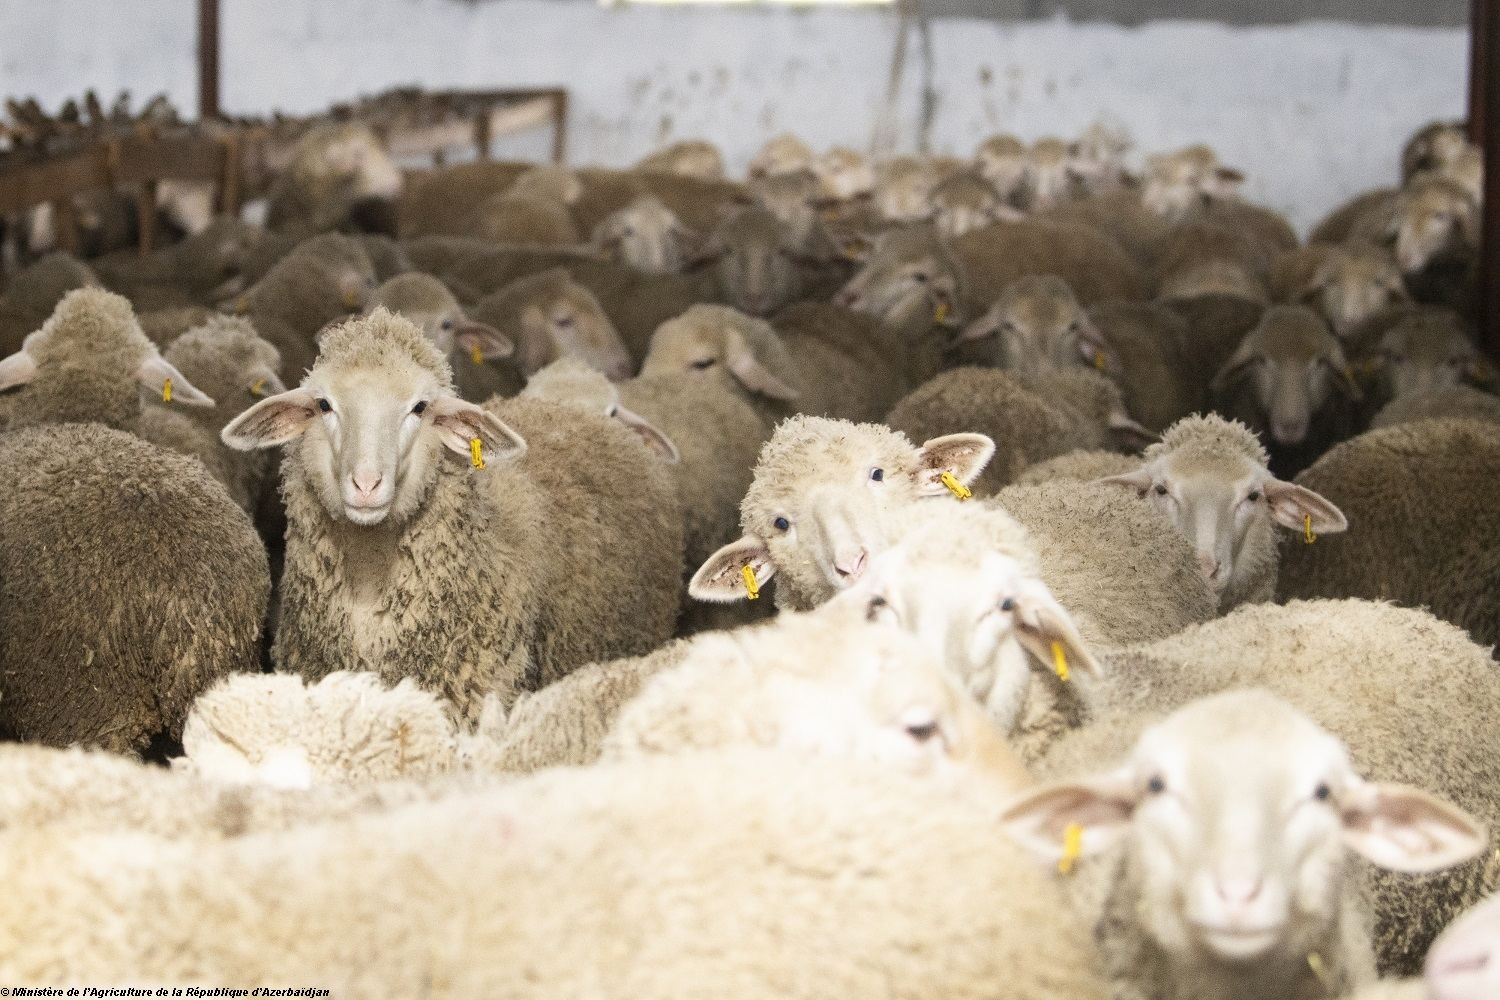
208, 59
1487, 30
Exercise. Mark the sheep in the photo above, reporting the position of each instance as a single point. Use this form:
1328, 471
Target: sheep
1051, 572
33, 292
1079, 466
1339, 225
966, 202
1419, 495
334, 168
1290, 380
826, 496
1214, 890
754, 260
1210, 477
1046, 181
781, 154
638, 303
1096, 159
524, 219
198, 269
1120, 215
569, 382
326, 277
646, 235
903, 189
1030, 420
792, 198
531, 894
843, 174
373, 527
546, 316
1462, 964
1429, 219
1347, 284
1196, 252
1039, 325
875, 693
1457, 402
163, 602
1213, 326
442, 202
551, 182
1177, 183
1001, 160
1467, 171
224, 358
1268, 228
1352, 666
689, 158
816, 358
429, 304
1435, 145
911, 281
162, 326
277, 730
90, 361
1427, 349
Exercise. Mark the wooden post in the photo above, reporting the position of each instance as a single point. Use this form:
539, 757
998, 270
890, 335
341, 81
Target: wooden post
560, 126
208, 59
1487, 27
1478, 36
146, 216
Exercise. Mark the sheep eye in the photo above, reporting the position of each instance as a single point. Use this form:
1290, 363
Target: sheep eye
1009, 604
1161, 490
878, 475
325, 406
447, 324
782, 524
1253, 496
1156, 785
1323, 793
419, 408
921, 277
877, 603
922, 731
704, 364
564, 321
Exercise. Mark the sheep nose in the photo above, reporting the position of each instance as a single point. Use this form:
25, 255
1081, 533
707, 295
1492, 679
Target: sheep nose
1208, 565
366, 483
1239, 891
851, 567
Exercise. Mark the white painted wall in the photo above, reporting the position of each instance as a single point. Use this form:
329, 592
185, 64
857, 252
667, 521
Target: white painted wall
1313, 112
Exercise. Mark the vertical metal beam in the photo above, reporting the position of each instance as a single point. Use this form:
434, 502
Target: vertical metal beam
1478, 36
208, 58
1486, 45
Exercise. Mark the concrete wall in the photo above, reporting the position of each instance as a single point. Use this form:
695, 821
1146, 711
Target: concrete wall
1313, 112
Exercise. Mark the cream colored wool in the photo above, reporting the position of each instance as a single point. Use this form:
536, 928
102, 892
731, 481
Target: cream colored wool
1078, 467
751, 875
1458, 403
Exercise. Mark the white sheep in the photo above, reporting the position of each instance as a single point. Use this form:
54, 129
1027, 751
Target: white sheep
1209, 476
1237, 816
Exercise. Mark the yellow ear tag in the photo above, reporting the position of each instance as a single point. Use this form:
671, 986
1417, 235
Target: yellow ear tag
476, 453
940, 311
258, 387
1060, 661
241, 305
166, 391
1099, 360
1072, 848
1308, 535
1315, 963
752, 589
955, 487
476, 355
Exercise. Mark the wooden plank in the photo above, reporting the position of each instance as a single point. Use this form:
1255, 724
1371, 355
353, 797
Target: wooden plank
53, 180
186, 158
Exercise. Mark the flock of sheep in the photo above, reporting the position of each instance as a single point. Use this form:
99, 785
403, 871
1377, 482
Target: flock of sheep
637, 583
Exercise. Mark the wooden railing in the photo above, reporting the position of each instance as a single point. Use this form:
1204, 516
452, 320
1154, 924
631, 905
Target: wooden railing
241, 159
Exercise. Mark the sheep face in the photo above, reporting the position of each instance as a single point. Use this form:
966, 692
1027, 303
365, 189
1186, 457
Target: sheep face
1432, 218
1292, 366
549, 316
1046, 180
225, 358
1040, 326
903, 190
1435, 146
827, 496
792, 198
740, 352
552, 183
754, 257
372, 420
1219, 494
353, 155
965, 202
1001, 160
1430, 351
843, 175
782, 154
1464, 964
985, 613
647, 236
690, 158
1353, 285
427, 302
910, 282
1237, 814
1177, 183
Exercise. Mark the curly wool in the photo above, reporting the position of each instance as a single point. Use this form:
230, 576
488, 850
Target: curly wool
380, 341
33, 292
1079, 467
1461, 402
1209, 434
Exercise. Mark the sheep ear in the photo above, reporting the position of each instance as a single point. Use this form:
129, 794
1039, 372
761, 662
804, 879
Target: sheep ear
964, 455
1044, 628
1099, 808
945, 308
1291, 505
981, 329
754, 371
1127, 433
1235, 369
264, 382
1140, 480
16, 370
721, 578
1096, 350
460, 422
653, 437
1405, 829
491, 344
156, 374
273, 421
